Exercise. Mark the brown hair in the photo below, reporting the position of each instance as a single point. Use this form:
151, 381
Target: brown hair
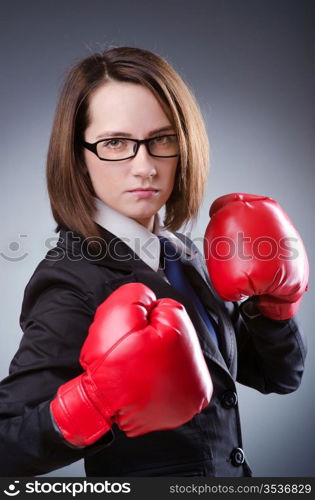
69, 186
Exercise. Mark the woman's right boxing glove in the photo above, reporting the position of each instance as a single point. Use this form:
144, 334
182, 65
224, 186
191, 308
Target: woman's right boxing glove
143, 369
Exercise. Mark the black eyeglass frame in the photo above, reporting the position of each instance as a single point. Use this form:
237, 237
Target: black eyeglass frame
93, 146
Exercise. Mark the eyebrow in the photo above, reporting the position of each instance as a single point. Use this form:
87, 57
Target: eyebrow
111, 133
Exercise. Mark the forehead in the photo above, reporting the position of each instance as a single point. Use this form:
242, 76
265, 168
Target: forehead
125, 105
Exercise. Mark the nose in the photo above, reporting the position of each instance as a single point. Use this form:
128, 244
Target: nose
143, 164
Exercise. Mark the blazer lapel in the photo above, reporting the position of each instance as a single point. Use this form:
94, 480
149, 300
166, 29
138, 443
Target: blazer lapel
216, 308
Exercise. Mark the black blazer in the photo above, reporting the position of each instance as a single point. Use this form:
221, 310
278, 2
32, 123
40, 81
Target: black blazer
59, 304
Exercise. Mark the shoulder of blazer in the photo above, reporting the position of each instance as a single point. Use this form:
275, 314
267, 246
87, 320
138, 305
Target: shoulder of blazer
105, 250
71, 265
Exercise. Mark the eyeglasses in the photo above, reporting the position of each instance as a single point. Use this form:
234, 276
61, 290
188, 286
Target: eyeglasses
121, 148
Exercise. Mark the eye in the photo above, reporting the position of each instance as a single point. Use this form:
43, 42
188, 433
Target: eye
162, 139
113, 144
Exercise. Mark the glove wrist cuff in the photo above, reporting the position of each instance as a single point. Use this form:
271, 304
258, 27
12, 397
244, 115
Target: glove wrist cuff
276, 309
77, 418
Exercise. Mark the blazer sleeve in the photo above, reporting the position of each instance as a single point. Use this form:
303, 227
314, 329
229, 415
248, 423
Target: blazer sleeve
55, 317
271, 353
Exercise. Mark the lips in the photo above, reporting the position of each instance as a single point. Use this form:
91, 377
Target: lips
142, 189
143, 193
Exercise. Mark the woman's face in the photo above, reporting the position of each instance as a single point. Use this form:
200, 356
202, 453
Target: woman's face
129, 110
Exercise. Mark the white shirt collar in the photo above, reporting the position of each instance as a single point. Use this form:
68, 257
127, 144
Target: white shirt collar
144, 243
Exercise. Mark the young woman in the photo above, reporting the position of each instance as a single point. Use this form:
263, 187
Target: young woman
129, 358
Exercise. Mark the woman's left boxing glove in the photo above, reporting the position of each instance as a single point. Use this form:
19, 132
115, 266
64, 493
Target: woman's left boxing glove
253, 249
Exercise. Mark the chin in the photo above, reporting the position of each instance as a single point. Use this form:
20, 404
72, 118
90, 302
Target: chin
142, 217
142, 214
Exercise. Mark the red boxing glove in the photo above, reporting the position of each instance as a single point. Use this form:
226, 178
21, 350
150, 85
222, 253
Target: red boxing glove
252, 248
144, 370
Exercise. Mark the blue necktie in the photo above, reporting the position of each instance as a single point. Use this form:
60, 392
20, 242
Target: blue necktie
174, 272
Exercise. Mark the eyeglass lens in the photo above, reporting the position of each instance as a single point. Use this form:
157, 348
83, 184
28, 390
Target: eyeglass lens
117, 148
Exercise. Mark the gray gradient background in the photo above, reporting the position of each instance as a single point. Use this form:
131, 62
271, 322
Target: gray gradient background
250, 63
